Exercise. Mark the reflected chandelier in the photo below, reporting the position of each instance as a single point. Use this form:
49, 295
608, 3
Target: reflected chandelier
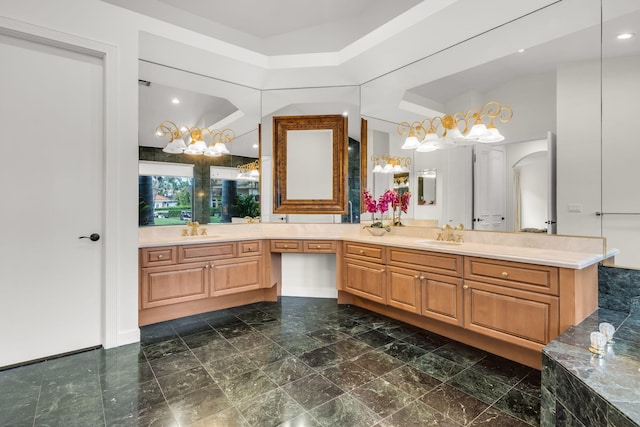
249, 171
390, 164
440, 132
197, 144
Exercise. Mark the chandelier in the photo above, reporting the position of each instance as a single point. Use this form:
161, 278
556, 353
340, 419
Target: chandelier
390, 164
197, 144
440, 132
249, 171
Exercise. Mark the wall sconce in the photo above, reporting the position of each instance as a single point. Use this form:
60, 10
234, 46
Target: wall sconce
401, 182
197, 144
390, 164
439, 132
249, 171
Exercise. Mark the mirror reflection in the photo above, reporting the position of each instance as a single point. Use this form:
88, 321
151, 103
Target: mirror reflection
198, 148
538, 67
426, 187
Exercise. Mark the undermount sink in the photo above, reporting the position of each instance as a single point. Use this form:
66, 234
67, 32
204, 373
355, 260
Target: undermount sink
437, 242
208, 236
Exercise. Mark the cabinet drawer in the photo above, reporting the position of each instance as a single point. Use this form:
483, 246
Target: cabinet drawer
166, 255
320, 246
192, 253
250, 248
286, 246
536, 278
372, 253
426, 261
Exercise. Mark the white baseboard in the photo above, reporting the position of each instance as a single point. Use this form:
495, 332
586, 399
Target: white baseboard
128, 337
291, 291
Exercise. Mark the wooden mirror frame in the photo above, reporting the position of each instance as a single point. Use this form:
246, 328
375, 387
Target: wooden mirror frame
337, 204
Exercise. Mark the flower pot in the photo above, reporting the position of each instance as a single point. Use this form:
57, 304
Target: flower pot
376, 231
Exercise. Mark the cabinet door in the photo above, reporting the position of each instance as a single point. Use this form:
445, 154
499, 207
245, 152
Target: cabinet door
365, 279
442, 298
521, 317
236, 275
403, 289
173, 284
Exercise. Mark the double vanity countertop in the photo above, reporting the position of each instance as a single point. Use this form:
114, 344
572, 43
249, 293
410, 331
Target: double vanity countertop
557, 251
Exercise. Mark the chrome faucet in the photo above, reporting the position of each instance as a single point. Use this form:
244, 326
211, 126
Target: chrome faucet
448, 235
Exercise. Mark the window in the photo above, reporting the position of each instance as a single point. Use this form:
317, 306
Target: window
165, 193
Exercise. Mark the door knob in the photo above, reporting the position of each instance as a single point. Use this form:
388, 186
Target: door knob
93, 237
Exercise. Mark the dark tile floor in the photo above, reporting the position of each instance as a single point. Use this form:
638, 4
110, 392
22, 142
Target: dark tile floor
300, 362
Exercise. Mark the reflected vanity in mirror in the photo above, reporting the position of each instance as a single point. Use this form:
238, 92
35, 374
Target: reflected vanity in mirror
427, 187
309, 155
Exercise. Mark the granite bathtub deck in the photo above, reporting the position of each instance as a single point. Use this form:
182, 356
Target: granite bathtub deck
578, 388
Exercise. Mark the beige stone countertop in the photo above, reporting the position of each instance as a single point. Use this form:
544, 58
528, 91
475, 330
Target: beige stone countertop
557, 251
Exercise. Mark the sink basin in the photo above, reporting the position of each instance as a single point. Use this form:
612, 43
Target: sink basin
438, 243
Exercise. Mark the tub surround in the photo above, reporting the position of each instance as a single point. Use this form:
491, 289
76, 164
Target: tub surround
578, 388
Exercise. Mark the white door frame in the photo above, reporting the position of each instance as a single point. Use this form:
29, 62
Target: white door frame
108, 54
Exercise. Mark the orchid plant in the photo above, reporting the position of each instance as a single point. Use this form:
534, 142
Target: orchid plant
381, 205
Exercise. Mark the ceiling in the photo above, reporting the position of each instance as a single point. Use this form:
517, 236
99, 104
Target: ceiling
276, 27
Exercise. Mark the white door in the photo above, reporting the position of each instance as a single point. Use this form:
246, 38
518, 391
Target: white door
489, 188
51, 163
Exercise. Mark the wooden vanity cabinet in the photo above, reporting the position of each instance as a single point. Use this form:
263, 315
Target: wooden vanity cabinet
180, 280
365, 272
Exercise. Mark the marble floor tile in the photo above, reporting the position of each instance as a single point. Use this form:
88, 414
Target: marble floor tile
454, 404
312, 391
382, 397
348, 375
270, 409
298, 362
344, 411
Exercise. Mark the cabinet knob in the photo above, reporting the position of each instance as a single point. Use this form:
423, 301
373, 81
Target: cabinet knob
160, 256
465, 287
286, 246
361, 251
416, 277
421, 277
250, 249
318, 246
382, 270
505, 274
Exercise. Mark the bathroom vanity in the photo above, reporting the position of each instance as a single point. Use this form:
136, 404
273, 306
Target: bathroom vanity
508, 294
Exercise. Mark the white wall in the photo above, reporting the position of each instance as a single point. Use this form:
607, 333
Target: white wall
578, 139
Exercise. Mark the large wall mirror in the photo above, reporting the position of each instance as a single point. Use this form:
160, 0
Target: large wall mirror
175, 187
544, 67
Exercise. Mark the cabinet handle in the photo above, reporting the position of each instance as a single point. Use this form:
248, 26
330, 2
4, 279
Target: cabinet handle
505, 274
465, 287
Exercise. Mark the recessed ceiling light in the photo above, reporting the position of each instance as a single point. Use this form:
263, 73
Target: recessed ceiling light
520, 50
175, 101
625, 36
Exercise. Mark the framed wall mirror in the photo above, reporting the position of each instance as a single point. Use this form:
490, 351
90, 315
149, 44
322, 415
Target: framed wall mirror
309, 158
